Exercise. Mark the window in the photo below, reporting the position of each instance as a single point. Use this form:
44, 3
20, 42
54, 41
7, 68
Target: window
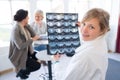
51, 5
78, 6
6, 17
19, 4
81, 6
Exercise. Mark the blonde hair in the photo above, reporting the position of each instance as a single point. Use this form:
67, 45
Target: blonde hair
39, 11
101, 15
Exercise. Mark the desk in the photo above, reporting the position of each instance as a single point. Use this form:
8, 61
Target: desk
41, 42
42, 55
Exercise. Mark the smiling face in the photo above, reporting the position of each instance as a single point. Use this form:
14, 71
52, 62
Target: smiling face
94, 24
38, 17
90, 29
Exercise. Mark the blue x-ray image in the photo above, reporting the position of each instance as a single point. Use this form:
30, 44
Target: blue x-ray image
63, 34
51, 37
73, 23
52, 44
60, 44
76, 43
66, 30
59, 16
66, 17
50, 17
53, 51
59, 30
73, 17
58, 23
66, 23
59, 37
75, 36
68, 44
50, 23
67, 37
74, 30
50, 30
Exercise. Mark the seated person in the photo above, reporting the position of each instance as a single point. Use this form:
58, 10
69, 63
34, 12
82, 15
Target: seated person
40, 28
21, 52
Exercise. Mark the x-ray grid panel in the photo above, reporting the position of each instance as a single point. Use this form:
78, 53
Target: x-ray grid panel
63, 35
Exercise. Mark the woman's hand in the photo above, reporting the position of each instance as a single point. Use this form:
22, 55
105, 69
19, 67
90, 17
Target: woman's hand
57, 57
35, 38
78, 23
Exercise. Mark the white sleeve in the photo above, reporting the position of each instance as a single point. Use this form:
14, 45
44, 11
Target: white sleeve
77, 69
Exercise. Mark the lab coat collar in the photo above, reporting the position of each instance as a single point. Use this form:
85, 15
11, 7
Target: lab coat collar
85, 44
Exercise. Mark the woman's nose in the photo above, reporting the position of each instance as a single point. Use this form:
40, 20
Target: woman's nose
85, 29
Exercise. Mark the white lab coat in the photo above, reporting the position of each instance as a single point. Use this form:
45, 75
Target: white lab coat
90, 61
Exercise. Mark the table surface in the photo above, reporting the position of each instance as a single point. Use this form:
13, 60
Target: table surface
41, 42
42, 55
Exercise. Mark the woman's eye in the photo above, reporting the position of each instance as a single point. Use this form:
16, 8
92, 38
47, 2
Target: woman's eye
83, 24
91, 27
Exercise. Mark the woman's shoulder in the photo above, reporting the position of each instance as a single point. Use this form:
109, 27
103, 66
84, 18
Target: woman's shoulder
16, 26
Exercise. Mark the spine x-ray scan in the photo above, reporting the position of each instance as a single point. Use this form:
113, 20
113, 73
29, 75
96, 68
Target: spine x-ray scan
63, 35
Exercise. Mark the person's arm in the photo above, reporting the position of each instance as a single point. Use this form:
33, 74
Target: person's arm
77, 69
19, 39
30, 29
34, 36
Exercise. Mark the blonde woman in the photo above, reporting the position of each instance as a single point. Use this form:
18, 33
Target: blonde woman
90, 61
39, 27
38, 24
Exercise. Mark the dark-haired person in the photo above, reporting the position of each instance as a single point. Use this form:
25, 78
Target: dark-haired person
21, 52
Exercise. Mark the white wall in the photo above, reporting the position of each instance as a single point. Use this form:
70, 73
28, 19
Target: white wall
32, 9
113, 25
4, 61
